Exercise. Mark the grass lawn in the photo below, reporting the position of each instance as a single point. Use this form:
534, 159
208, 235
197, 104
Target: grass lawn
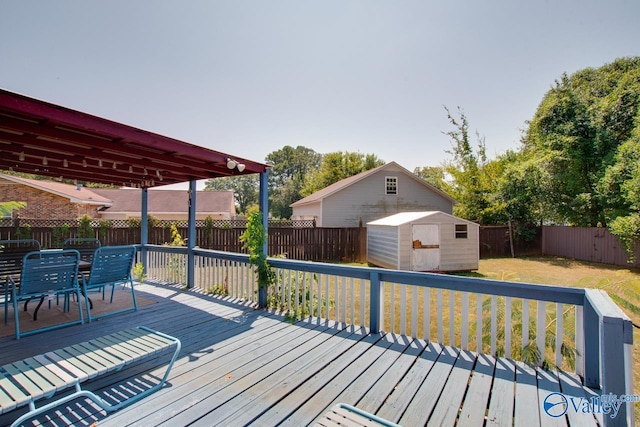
622, 285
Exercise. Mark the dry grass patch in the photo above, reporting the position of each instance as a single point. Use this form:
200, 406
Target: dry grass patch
622, 285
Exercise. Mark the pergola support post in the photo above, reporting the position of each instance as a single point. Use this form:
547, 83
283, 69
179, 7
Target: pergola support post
144, 228
191, 240
264, 209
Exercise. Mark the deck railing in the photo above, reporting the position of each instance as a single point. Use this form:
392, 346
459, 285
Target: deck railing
580, 330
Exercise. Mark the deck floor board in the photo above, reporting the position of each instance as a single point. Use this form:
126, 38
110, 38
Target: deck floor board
243, 366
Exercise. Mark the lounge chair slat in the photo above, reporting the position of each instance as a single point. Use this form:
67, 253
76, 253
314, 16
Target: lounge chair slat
39, 377
146, 343
23, 381
63, 375
119, 348
68, 366
12, 395
88, 368
111, 360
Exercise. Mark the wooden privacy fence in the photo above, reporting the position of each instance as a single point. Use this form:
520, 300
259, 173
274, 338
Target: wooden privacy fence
593, 244
308, 244
311, 244
496, 241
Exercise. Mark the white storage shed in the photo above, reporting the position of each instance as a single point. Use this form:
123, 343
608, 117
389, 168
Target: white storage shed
423, 241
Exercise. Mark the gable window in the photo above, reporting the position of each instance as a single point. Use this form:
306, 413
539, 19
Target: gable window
461, 231
391, 185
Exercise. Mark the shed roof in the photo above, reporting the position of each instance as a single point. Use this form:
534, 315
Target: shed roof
41, 138
402, 218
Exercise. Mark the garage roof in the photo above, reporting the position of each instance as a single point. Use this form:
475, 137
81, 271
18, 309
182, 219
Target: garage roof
41, 138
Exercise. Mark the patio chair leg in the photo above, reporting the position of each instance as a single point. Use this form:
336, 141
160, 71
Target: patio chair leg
6, 302
35, 313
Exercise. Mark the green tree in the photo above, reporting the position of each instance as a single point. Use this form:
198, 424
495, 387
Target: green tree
338, 166
245, 189
254, 238
84, 227
289, 167
474, 179
434, 175
621, 186
7, 207
521, 189
577, 130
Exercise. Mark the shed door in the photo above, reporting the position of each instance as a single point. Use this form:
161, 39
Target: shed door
426, 247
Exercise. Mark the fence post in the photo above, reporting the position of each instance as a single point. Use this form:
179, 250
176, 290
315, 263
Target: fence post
375, 302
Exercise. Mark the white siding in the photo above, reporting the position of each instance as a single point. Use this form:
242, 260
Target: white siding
458, 254
455, 254
382, 246
366, 200
312, 210
405, 247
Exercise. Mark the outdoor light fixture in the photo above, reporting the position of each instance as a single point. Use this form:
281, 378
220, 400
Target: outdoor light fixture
84, 163
45, 162
21, 156
65, 163
232, 164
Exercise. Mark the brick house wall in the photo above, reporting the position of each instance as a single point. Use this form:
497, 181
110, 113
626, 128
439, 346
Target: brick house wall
41, 204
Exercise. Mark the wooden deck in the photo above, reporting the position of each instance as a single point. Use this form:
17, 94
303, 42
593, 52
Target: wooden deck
241, 366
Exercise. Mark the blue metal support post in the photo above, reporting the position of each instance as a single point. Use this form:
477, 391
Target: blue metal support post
264, 209
191, 240
144, 228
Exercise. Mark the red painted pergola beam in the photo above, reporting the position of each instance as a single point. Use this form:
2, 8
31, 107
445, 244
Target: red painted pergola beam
75, 143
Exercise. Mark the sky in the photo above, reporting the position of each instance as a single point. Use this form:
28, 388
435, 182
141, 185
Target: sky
250, 77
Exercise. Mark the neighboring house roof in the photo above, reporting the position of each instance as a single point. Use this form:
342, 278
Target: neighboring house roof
408, 217
340, 185
75, 194
165, 201
129, 200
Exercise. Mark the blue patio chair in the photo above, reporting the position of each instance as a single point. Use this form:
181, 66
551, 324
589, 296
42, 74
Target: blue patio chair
47, 273
12, 254
111, 266
86, 246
